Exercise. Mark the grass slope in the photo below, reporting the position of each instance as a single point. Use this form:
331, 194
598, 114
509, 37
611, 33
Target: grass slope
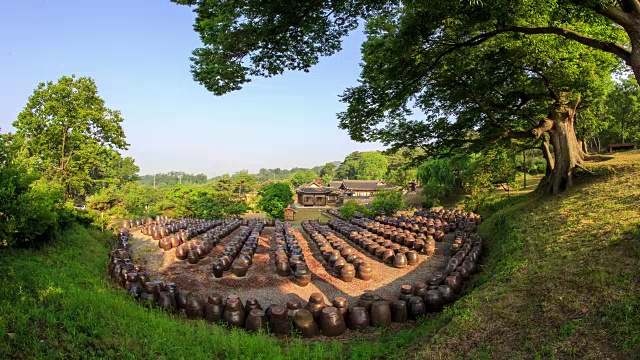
561, 277
560, 280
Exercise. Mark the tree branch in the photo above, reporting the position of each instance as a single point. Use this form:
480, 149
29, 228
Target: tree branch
614, 13
543, 126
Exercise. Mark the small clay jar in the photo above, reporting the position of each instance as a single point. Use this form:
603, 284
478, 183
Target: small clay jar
400, 261
165, 244
239, 268
302, 276
348, 273
226, 262
256, 320
433, 301
217, 269
365, 272
342, 304
251, 304
419, 288
365, 301
399, 311
412, 257
192, 257
406, 291
233, 313
280, 322
194, 307
331, 322
315, 305
455, 282
430, 247
181, 253
416, 308
283, 268
303, 321
214, 308
448, 295
380, 252
358, 318
419, 245
166, 301
380, 313
292, 307
338, 265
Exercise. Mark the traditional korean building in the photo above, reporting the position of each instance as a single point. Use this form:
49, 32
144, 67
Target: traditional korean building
362, 190
335, 192
315, 194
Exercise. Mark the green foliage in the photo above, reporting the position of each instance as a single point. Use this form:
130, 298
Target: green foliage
401, 176
328, 172
387, 202
371, 166
173, 178
302, 177
66, 133
350, 207
438, 180
274, 198
536, 166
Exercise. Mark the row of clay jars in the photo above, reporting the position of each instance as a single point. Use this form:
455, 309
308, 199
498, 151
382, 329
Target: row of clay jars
333, 258
367, 239
301, 273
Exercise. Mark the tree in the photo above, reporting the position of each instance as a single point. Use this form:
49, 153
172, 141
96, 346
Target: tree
328, 172
401, 176
303, 177
67, 134
348, 169
387, 202
371, 166
275, 197
624, 109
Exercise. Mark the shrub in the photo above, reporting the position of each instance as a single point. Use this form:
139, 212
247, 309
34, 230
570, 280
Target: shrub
387, 202
350, 207
275, 197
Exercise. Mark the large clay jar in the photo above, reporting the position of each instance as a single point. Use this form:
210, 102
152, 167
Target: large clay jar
342, 304
399, 311
365, 272
303, 321
251, 304
217, 269
380, 313
239, 268
406, 291
192, 257
448, 295
165, 244
280, 321
256, 320
348, 273
419, 288
433, 301
166, 301
455, 282
233, 313
302, 276
282, 268
416, 307
181, 253
214, 308
366, 300
226, 262
292, 307
315, 305
331, 322
338, 265
412, 257
194, 308
150, 295
400, 261
430, 247
358, 318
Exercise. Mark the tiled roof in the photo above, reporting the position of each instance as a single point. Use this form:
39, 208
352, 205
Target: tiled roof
315, 190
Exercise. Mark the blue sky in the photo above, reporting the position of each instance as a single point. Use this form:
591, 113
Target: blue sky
137, 51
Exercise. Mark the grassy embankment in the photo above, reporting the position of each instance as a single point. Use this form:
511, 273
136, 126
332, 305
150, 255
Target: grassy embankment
560, 279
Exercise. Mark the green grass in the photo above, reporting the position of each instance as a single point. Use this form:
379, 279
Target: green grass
560, 279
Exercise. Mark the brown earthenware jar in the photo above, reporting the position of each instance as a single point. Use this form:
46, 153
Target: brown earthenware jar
412, 257
342, 304
250, 304
233, 313
400, 261
292, 307
406, 291
448, 295
338, 265
358, 318
380, 313
433, 301
282, 268
166, 301
303, 321
315, 305
419, 245
387, 256
239, 268
165, 244
181, 253
455, 282
214, 308
365, 301
365, 272
348, 273
194, 307
192, 257
302, 276
256, 320
416, 307
399, 311
279, 321
217, 269
331, 322
419, 288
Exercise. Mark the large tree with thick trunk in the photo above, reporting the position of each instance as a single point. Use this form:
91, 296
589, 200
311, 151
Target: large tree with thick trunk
483, 72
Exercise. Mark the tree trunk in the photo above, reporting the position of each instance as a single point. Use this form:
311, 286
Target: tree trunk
567, 152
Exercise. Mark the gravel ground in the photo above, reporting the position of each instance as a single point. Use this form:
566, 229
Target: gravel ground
263, 283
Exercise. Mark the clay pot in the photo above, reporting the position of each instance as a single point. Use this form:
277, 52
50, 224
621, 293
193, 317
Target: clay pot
448, 295
380, 313
416, 308
226, 262
280, 321
181, 253
233, 313
399, 311
430, 248
302, 276
166, 301
181, 299
455, 282
433, 301
419, 288
239, 268
342, 304
194, 307
256, 320
283, 268
348, 273
292, 307
400, 261
214, 308
331, 322
251, 304
365, 301
338, 265
217, 269
406, 291
380, 252
315, 305
365, 272
303, 321
165, 244
358, 318
412, 257
192, 257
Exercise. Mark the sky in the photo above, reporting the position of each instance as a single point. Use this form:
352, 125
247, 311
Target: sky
138, 52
